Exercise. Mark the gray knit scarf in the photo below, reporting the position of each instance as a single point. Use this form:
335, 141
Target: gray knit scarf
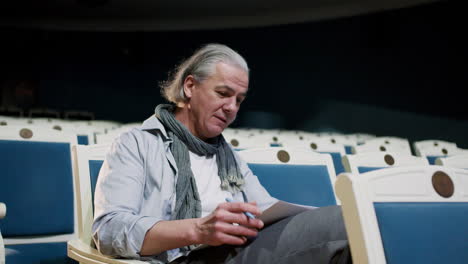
188, 204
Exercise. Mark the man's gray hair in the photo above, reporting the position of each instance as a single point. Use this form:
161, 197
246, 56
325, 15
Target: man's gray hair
201, 65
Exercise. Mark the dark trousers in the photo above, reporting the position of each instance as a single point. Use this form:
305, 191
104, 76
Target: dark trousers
315, 236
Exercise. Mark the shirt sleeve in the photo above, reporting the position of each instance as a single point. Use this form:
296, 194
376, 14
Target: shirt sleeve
118, 228
253, 188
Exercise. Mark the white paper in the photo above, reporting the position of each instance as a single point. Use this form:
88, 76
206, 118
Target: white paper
282, 210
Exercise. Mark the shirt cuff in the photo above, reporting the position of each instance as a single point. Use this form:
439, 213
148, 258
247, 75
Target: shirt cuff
268, 204
142, 226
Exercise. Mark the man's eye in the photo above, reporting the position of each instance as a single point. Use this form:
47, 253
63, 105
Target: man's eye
222, 93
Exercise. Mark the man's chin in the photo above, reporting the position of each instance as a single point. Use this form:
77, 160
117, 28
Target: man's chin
216, 131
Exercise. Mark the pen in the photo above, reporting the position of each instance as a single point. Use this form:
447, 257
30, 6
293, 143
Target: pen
248, 214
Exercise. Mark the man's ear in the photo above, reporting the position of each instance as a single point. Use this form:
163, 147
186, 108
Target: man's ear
189, 86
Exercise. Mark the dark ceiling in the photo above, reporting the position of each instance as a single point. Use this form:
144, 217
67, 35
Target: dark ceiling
405, 59
155, 15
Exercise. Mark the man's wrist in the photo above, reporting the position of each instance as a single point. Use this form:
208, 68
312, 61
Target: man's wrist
193, 234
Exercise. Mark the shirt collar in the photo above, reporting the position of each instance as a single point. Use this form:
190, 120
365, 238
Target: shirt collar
153, 123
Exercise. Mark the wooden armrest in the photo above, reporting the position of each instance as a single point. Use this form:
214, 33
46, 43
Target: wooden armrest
2, 210
83, 253
2, 246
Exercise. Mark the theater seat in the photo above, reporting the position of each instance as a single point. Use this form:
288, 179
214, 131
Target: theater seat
369, 161
433, 149
384, 144
88, 162
37, 188
406, 215
293, 175
322, 145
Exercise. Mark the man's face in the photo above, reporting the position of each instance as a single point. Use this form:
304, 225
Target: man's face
214, 102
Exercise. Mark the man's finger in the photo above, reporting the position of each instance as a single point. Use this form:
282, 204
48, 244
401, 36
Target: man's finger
240, 207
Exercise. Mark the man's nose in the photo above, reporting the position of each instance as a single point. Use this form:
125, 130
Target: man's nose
230, 105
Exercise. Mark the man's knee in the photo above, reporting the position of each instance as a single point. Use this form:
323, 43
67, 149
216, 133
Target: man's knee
324, 217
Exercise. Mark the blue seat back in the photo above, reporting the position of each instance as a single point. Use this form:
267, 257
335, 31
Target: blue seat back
94, 168
348, 149
429, 232
83, 140
37, 187
364, 169
432, 159
301, 184
336, 158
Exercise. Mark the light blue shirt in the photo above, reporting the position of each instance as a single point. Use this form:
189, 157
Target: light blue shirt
136, 189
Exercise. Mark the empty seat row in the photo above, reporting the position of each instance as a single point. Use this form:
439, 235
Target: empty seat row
50, 191
308, 178
87, 132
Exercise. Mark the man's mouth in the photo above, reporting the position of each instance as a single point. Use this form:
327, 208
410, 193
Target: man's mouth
221, 118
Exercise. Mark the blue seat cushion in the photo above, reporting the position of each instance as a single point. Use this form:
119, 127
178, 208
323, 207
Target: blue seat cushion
37, 188
40, 253
429, 232
432, 159
83, 140
301, 184
364, 169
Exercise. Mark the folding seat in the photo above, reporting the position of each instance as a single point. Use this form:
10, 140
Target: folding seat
85, 134
289, 139
322, 145
414, 214
291, 134
384, 144
104, 124
239, 132
37, 188
369, 161
360, 138
241, 142
433, 149
109, 136
294, 175
259, 131
127, 126
271, 139
88, 162
345, 140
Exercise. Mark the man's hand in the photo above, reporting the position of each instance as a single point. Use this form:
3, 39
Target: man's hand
215, 229
219, 227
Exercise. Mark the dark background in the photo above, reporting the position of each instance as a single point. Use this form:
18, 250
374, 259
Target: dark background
393, 73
